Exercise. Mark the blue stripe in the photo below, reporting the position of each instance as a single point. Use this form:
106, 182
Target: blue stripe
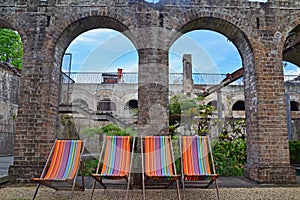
70, 159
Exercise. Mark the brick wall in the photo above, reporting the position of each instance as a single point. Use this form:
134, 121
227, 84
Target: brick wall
258, 30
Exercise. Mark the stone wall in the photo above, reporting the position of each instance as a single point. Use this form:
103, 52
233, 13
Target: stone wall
258, 30
9, 95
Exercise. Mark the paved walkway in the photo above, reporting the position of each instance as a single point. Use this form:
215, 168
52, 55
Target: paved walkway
231, 188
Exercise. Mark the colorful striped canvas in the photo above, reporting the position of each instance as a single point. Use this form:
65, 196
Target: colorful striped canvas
196, 158
65, 160
116, 157
158, 160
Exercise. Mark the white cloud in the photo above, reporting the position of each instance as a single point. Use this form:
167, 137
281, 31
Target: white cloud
95, 36
201, 61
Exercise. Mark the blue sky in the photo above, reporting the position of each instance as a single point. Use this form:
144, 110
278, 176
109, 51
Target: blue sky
105, 50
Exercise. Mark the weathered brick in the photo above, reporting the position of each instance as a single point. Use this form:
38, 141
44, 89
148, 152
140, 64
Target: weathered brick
260, 45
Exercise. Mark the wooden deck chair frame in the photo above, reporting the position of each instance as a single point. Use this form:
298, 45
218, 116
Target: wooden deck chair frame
197, 179
127, 176
172, 177
46, 179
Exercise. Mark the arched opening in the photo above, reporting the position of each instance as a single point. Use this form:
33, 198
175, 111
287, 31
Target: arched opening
207, 68
98, 57
292, 47
294, 106
291, 70
131, 104
11, 58
217, 65
238, 106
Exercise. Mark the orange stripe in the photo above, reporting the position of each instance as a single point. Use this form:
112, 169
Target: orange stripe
105, 161
146, 144
55, 161
205, 151
122, 167
187, 156
127, 153
169, 156
59, 161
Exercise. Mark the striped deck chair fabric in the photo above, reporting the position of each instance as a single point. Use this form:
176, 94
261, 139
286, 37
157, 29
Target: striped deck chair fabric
158, 161
62, 165
158, 158
197, 161
117, 160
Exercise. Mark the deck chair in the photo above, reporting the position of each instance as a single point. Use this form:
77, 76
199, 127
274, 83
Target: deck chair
158, 162
197, 164
117, 161
63, 163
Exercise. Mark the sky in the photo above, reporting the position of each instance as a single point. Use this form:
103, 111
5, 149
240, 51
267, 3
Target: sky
106, 50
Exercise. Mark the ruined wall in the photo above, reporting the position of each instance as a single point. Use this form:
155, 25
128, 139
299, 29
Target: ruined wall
258, 30
9, 95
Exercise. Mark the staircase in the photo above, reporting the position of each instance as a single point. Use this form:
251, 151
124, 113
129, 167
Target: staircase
97, 116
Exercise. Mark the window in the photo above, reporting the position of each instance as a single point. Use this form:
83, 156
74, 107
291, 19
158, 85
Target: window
239, 105
106, 105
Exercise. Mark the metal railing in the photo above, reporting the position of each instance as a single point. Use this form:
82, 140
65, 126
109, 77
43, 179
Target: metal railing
174, 78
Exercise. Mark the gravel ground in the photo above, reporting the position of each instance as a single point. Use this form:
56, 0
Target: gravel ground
280, 193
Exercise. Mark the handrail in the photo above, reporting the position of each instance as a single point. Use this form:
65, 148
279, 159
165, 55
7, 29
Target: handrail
174, 78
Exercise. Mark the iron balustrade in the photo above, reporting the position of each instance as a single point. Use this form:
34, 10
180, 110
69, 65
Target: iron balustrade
174, 78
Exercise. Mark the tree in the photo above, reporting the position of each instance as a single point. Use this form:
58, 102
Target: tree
11, 48
190, 113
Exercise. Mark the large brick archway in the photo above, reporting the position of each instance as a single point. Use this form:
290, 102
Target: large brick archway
263, 141
253, 27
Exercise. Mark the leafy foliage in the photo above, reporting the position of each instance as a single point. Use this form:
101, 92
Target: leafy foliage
230, 157
11, 48
230, 149
233, 129
205, 113
187, 111
89, 167
294, 146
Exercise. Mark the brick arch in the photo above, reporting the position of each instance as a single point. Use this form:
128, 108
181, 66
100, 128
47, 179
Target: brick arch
221, 25
288, 51
237, 34
233, 29
81, 25
11, 23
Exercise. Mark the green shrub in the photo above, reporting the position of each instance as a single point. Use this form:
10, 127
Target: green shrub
229, 157
89, 167
294, 146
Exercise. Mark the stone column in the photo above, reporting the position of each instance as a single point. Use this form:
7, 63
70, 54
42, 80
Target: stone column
36, 123
187, 88
267, 142
153, 92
